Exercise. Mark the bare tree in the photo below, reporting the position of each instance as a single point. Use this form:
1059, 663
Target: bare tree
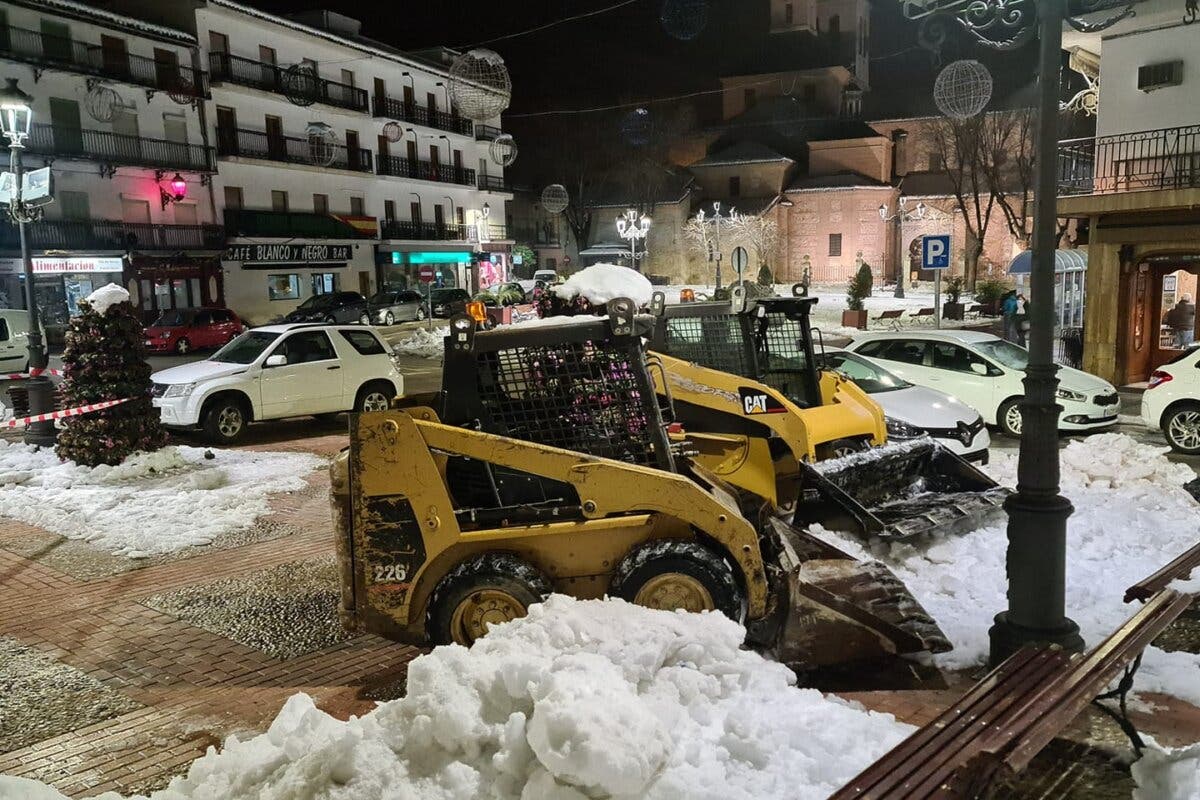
1008, 137
964, 151
761, 234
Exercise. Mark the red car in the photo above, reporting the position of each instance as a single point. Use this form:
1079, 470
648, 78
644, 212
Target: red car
186, 329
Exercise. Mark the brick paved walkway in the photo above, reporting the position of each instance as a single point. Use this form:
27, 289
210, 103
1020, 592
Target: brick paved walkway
195, 687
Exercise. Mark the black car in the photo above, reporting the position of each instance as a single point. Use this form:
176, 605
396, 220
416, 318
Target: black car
448, 302
332, 307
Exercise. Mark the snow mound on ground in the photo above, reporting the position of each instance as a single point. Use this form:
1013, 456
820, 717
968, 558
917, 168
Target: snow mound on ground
1132, 516
600, 283
152, 503
581, 699
106, 296
424, 343
1166, 773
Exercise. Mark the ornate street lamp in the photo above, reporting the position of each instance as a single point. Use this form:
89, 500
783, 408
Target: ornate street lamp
716, 221
900, 217
16, 117
633, 226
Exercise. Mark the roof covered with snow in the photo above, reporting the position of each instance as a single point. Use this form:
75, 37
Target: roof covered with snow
745, 152
68, 8
841, 180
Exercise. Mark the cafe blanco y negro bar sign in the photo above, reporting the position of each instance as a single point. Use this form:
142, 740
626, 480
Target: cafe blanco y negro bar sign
285, 253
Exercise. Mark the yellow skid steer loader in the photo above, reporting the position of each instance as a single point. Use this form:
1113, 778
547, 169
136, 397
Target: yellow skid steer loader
548, 467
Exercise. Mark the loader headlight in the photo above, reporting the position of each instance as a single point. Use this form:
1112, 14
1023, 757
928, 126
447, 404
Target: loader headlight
899, 429
1067, 394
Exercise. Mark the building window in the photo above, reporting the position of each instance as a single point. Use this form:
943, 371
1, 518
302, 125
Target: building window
750, 98
73, 205
233, 197
389, 210
324, 282
320, 204
279, 201
935, 162
348, 77
283, 287
218, 42
789, 14
735, 186
1160, 76
356, 207
835, 245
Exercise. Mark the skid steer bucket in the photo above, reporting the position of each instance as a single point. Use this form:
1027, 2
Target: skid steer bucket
899, 491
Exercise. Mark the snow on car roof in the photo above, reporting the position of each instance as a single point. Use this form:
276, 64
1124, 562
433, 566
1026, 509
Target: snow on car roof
955, 334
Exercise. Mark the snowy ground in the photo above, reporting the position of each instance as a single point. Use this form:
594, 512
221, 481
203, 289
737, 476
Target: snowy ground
154, 503
423, 342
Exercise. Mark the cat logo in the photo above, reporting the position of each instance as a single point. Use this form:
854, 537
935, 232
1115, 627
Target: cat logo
758, 402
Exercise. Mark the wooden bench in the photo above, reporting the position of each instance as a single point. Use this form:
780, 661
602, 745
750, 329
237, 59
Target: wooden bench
998, 726
922, 314
1179, 568
892, 316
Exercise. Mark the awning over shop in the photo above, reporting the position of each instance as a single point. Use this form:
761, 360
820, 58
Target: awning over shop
1064, 261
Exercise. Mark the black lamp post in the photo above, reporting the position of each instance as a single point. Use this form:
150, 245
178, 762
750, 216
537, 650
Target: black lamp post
16, 117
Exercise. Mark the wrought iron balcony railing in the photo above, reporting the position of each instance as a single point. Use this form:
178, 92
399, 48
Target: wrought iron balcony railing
44, 50
117, 149
1130, 162
290, 224
419, 115
315, 151
493, 183
486, 133
426, 231
103, 234
425, 171
224, 67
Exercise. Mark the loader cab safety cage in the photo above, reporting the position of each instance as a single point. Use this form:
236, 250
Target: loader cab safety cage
768, 340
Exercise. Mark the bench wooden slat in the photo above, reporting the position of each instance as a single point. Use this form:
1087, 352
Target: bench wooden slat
1179, 568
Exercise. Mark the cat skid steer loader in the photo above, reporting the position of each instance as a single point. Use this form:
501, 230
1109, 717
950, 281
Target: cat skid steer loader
742, 379
547, 466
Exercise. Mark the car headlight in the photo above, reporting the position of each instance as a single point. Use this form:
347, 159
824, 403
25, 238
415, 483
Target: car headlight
899, 429
1067, 394
179, 390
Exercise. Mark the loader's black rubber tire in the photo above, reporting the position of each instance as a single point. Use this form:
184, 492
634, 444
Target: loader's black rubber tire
482, 591
677, 569
841, 447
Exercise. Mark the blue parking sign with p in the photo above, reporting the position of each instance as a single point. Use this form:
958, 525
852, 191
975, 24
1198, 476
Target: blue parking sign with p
935, 252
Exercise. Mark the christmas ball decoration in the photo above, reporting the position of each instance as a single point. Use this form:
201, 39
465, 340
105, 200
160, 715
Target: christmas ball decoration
393, 132
963, 89
479, 84
503, 150
684, 19
102, 103
322, 147
555, 198
636, 127
300, 84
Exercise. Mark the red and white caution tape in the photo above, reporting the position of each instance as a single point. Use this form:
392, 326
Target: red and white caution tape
21, 422
33, 373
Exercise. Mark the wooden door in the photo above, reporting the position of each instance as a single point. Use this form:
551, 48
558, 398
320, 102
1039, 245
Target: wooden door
276, 147
439, 221
227, 142
166, 69
1137, 365
66, 124
113, 55
352, 149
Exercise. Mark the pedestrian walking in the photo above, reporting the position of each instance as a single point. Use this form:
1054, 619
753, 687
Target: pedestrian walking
1008, 312
1022, 319
1182, 321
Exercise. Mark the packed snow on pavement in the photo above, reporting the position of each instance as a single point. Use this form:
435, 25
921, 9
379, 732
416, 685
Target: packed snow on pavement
424, 343
581, 699
153, 503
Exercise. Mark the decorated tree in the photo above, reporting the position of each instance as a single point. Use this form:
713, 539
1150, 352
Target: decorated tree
105, 359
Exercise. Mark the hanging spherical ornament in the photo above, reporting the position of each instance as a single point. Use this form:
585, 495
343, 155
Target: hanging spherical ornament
300, 82
503, 150
393, 132
555, 198
684, 19
636, 127
322, 147
479, 84
102, 103
963, 89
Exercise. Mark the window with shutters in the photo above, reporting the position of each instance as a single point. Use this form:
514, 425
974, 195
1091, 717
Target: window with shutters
835, 244
1160, 76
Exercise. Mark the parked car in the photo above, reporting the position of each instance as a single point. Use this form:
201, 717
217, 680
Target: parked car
1171, 403
186, 329
393, 305
448, 302
14, 340
954, 424
274, 372
986, 372
329, 308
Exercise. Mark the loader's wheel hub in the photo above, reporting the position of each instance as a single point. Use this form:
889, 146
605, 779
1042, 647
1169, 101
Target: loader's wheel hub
480, 610
674, 590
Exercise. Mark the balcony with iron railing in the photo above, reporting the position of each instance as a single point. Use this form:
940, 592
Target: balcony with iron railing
315, 151
487, 133
226, 68
291, 224
1130, 162
398, 167
528, 233
493, 183
45, 51
427, 231
103, 234
117, 149
419, 115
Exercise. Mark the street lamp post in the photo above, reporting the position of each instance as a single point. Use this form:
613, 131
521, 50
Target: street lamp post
633, 226
16, 116
717, 221
899, 218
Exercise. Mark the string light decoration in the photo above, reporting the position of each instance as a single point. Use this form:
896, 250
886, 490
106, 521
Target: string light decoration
479, 84
555, 198
102, 103
300, 84
963, 89
503, 150
322, 143
636, 127
393, 132
684, 19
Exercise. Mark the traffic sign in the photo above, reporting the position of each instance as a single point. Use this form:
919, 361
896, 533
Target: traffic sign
935, 252
740, 259
426, 273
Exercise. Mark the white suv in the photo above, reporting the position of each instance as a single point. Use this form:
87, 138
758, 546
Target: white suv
1172, 402
278, 371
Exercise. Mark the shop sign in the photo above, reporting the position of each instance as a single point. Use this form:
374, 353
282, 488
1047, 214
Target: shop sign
289, 253
450, 257
49, 265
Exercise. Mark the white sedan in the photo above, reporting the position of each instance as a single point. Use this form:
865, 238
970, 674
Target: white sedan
986, 373
954, 424
1172, 402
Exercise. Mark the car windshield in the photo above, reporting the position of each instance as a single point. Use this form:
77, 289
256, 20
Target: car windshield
245, 348
171, 319
384, 298
1007, 353
869, 377
317, 301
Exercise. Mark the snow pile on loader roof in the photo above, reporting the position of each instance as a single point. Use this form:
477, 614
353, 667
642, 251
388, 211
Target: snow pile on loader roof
600, 283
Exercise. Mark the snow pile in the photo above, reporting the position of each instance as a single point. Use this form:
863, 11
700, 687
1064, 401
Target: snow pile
153, 503
424, 343
581, 699
1132, 516
600, 283
1167, 774
106, 296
